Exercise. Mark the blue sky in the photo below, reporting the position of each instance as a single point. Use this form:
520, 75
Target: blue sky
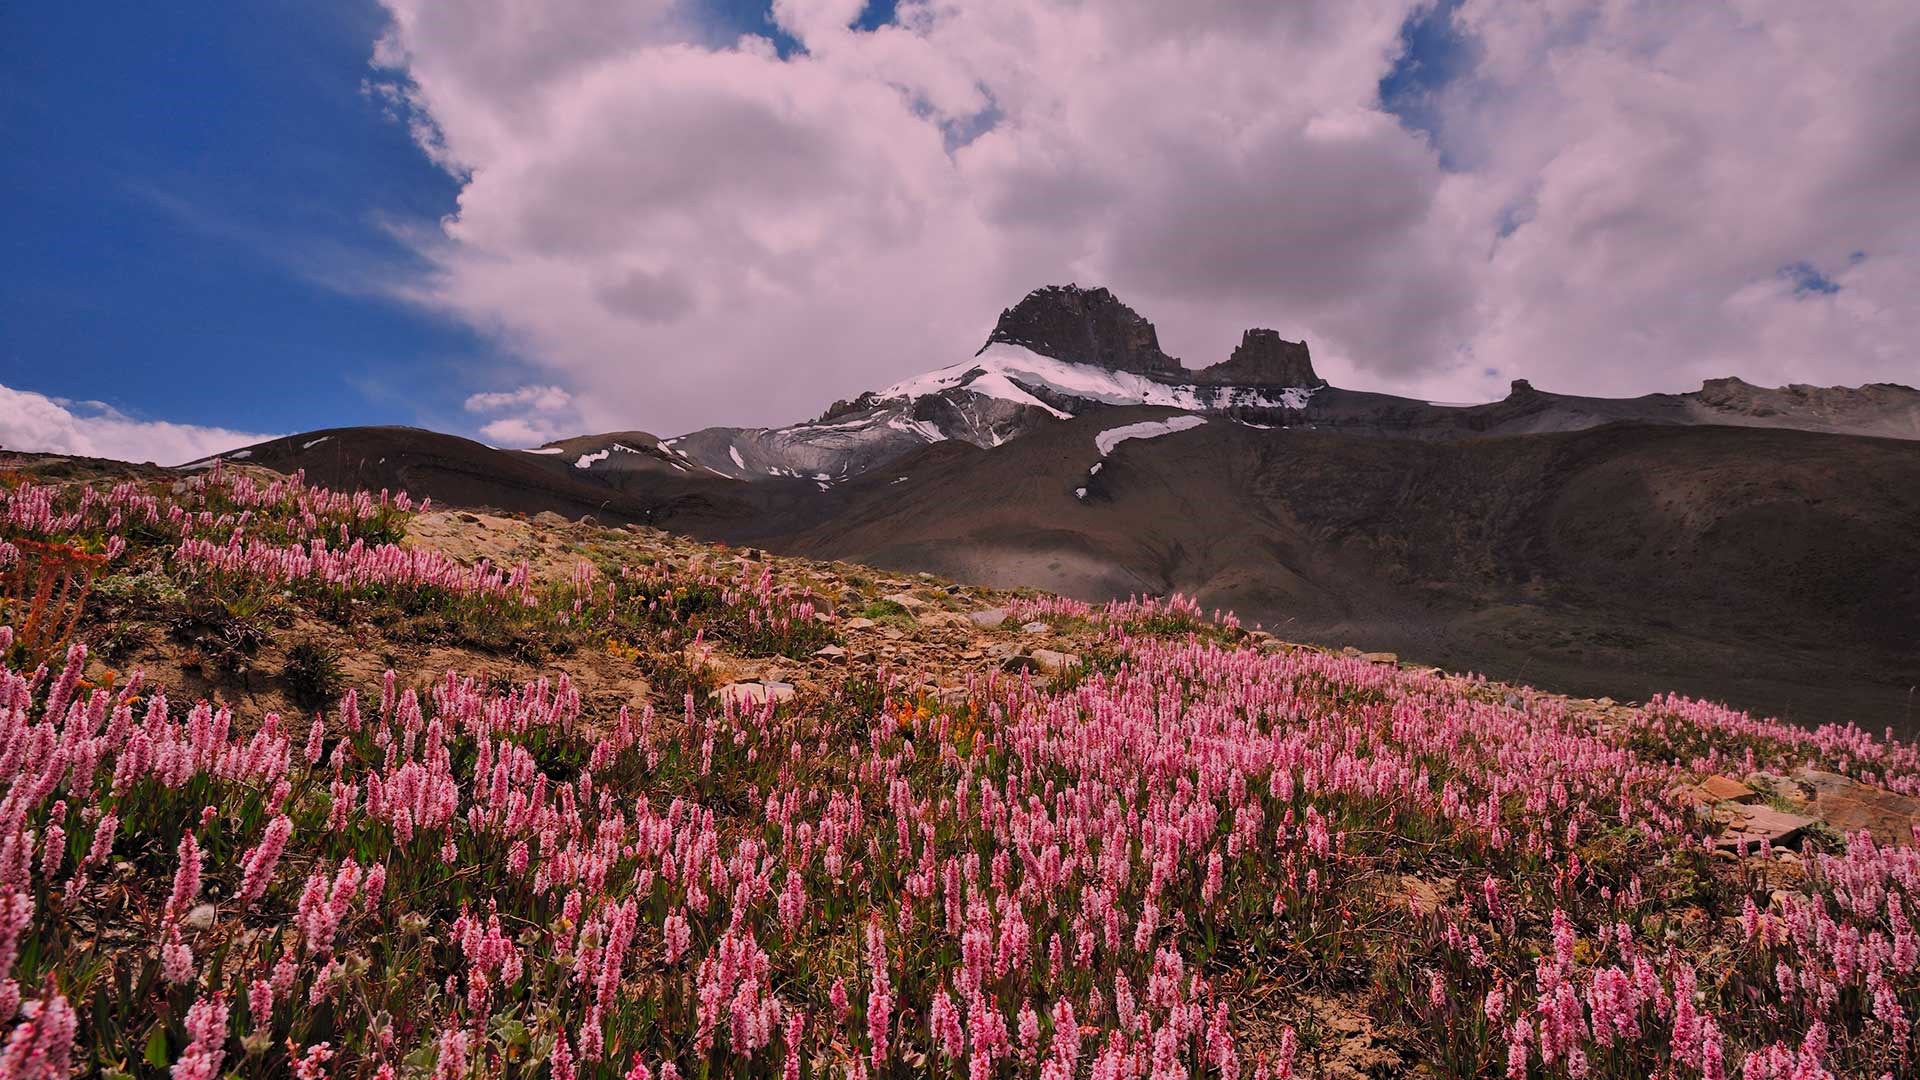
191, 218
198, 215
205, 219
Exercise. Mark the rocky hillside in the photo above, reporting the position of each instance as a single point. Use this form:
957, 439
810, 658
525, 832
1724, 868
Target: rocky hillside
1751, 545
1065, 351
339, 784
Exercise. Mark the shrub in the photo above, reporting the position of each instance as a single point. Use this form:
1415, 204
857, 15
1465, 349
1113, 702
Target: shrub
312, 675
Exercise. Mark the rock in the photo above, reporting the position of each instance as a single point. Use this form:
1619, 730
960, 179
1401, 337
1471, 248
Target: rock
1727, 789
1085, 326
1849, 806
860, 623
906, 600
744, 694
1761, 825
470, 519
990, 619
1019, 662
1035, 628
1263, 358
1054, 660
953, 590
1380, 657
831, 652
551, 520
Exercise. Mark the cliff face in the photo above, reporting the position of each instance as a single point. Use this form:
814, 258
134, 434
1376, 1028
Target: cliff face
1263, 358
1085, 326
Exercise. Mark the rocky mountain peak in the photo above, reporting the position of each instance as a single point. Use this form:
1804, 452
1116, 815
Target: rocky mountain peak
1085, 326
1264, 358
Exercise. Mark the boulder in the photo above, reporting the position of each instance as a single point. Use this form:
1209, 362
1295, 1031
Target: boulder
1054, 660
1754, 824
1849, 806
906, 600
754, 694
990, 619
1727, 789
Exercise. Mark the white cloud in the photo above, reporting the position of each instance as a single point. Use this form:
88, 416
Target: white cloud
536, 398
36, 422
537, 414
687, 233
517, 432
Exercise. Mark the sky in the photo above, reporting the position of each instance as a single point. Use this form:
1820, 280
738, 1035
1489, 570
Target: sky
520, 219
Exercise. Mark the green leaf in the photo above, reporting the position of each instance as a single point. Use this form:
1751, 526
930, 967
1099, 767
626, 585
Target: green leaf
156, 1054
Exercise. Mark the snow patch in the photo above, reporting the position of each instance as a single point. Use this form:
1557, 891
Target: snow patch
1079, 493
546, 450
241, 455
1002, 370
734, 453
586, 460
917, 427
1146, 429
314, 443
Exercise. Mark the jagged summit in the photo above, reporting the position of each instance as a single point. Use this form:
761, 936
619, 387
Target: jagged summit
1263, 358
1085, 326
1093, 327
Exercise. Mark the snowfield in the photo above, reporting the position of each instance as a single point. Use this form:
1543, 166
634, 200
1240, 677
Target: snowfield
1002, 370
1146, 429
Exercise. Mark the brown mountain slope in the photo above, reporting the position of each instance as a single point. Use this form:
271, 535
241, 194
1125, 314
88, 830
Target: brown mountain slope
1776, 569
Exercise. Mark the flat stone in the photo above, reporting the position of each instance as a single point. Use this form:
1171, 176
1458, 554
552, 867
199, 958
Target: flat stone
1035, 628
1763, 825
1849, 806
1380, 657
1726, 789
755, 693
990, 619
1019, 662
860, 624
1054, 660
906, 600
831, 652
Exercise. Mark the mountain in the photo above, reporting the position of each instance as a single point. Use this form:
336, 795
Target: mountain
1064, 351
1776, 569
1760, 546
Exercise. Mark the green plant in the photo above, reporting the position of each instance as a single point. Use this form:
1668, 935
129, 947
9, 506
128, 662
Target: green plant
312, 674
